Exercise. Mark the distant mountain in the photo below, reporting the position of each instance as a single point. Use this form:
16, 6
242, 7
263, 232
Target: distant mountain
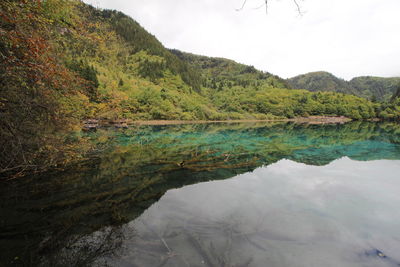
218, 72
375, 88
320, 81
378, 87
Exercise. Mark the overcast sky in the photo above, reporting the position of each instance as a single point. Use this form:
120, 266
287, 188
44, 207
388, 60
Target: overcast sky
345, 37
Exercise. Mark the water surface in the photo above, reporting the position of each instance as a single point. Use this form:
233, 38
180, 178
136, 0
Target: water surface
286, 214
214, 195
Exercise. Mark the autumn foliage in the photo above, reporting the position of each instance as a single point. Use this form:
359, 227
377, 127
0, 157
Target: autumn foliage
36, 91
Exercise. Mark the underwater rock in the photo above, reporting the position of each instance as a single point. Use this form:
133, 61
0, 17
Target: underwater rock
379, 254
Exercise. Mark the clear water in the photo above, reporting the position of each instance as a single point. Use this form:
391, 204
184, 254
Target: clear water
214, 195
286, 214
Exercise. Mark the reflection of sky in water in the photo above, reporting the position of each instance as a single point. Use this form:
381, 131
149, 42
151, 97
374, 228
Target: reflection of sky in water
286, 214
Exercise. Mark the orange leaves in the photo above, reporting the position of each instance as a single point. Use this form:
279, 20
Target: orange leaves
28, 57
5, 18
41, 96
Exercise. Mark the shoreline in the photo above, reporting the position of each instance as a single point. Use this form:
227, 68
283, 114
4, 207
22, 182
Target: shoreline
320, 120
125, 123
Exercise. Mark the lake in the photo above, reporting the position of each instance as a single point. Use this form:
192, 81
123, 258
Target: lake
218, 194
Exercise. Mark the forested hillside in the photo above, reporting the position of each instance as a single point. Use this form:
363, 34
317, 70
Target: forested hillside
64, 61
220, 72
396, 94
245, 92
320, 81
373, 88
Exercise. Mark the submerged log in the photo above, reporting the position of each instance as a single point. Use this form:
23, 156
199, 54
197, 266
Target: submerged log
91, 124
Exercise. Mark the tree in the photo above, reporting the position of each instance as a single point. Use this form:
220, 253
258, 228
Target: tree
38, 95
396, 94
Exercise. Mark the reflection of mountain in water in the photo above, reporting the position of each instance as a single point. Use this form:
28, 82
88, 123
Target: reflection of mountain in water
286, 214
140, 165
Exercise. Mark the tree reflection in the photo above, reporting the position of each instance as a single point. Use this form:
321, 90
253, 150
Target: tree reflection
133, 168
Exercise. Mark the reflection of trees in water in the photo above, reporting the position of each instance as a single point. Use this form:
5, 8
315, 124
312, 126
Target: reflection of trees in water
140, 165
80, 250
223, 242
159, 249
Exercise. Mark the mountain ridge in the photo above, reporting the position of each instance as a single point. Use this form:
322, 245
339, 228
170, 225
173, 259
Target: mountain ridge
370, 87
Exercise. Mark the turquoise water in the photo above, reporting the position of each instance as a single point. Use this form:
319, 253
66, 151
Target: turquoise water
214, 195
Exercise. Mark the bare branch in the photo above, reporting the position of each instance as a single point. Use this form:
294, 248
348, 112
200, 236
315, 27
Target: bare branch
298, 7
244, 3
259, 6
264, 4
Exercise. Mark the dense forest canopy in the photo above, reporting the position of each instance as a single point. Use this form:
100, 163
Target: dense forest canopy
64, 61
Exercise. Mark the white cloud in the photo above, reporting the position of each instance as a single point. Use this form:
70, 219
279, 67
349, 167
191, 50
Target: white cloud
347, 38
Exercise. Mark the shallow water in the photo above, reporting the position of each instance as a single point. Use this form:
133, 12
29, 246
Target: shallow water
214, 195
